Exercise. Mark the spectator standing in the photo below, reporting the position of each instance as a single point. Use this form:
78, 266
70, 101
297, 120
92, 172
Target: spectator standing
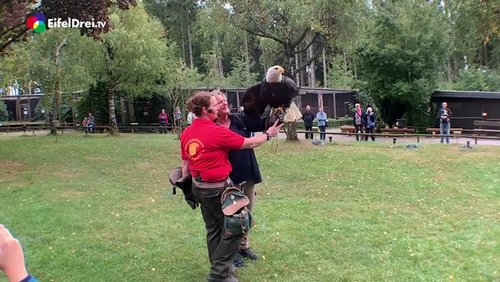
189, 118
308, 118
163, 119
322, 120
444, 122
178, 117
358, 120
90, 123
370, 123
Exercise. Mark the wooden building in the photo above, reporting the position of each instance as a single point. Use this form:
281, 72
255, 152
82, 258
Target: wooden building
21, 108
336, 102
467, 106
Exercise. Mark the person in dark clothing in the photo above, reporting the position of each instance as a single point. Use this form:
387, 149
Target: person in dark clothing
245, 168
444, 122
163, 119
370, 123
308, 118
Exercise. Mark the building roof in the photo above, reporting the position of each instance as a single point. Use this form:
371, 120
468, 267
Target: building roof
465, 94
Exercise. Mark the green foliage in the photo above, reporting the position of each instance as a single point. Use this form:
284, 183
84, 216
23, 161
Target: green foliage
400, 60
136, 53
181, 81
4, 115
475, 79
474, 29
339, 75
179, 19
240, 75
33, 62
94, 101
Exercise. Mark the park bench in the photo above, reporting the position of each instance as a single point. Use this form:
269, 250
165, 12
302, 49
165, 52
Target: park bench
486, 127
347, 129
405, 131
33, 126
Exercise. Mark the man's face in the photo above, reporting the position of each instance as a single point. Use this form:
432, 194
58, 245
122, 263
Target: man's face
222, 108
308, 108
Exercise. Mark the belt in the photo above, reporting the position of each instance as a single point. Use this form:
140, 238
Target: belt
220, 184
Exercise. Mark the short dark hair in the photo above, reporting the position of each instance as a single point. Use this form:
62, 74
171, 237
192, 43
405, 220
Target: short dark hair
199, 100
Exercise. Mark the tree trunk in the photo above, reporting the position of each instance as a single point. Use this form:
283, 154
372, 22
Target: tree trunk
312, 67
57, 89
190, 48
291, 131
112, 111
325, 75
297, 74
247, 55
183, 44
111, 87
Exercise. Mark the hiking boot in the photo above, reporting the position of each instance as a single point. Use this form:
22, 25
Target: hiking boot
248, 253
238, 262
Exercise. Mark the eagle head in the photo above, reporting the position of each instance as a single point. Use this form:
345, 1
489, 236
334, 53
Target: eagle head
275, 74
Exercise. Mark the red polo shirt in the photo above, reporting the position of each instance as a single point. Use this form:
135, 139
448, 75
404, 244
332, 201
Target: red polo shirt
205, 145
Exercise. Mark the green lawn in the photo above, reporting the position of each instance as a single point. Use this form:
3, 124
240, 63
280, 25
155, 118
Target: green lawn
99, 208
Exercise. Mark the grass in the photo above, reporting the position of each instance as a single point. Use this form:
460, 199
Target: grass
99, 208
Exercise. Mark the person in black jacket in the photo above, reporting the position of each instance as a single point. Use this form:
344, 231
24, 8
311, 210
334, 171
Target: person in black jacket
308, 118
245, 168
370, 124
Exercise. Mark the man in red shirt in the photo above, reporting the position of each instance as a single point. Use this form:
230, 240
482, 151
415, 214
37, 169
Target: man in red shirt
204, 151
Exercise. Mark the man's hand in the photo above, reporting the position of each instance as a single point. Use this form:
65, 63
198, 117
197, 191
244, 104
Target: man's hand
11, 256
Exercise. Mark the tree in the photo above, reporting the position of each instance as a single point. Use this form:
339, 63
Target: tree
473, 27
401, 58
181, 80
13, 14
58, 60
178, 17
136, 55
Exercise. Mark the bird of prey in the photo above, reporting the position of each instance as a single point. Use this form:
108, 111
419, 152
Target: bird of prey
275, 92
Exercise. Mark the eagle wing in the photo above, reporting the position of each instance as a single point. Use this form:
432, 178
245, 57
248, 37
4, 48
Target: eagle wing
251, 101
279, 94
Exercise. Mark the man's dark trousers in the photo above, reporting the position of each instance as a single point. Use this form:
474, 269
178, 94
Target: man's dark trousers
309, 132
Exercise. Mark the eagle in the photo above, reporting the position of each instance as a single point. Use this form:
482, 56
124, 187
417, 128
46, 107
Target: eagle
275, 92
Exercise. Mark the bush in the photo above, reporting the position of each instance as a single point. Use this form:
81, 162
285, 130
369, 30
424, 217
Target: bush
4, 115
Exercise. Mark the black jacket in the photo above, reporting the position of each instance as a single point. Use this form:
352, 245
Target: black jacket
308, 118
